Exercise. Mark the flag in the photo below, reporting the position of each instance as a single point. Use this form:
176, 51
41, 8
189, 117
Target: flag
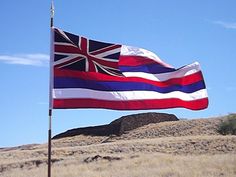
93, 74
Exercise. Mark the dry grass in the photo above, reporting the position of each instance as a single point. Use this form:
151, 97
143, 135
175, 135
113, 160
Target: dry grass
138, 165
156, 164
170, 149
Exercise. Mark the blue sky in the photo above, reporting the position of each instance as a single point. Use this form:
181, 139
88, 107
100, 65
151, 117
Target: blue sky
178, 31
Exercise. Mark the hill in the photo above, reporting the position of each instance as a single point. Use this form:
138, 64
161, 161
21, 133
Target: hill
173, 148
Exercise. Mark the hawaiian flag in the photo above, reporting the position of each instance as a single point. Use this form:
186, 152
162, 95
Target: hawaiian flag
93, 74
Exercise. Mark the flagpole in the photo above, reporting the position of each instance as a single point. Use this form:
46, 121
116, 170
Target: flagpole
50, 89
49, 142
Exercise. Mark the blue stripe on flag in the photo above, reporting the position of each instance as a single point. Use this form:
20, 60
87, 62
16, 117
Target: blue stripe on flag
149, 68
62, 82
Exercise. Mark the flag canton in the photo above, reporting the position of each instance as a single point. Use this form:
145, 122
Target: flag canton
78, 53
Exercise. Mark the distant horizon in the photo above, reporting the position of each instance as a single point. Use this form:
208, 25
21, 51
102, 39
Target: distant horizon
94, 126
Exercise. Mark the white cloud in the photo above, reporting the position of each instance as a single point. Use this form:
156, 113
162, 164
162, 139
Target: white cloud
228, 25
26, 59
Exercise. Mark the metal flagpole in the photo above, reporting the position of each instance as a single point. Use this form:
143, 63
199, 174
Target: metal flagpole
50, 90
49, 143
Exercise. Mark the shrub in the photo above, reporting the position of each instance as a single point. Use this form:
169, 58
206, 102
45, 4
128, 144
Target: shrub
228, 127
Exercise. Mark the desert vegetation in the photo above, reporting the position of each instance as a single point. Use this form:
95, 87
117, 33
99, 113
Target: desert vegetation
228, 126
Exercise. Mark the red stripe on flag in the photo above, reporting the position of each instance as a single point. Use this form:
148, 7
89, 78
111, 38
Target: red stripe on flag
129, 60
66, 49
186, 80
130, 105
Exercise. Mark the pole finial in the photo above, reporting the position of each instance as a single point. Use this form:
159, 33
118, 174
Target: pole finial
52, 9
52, 12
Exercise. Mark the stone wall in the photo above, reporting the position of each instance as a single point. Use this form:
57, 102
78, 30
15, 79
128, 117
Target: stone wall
120, 126
130, 122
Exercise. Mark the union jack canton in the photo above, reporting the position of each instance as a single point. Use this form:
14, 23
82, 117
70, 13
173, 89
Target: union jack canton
81, 54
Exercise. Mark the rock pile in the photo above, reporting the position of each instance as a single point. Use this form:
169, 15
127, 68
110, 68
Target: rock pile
131, 122
121, 125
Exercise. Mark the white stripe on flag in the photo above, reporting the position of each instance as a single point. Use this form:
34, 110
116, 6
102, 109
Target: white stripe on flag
185, 71
135, 51
76, 93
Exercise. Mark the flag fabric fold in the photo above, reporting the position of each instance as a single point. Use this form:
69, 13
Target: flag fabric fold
94, 74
